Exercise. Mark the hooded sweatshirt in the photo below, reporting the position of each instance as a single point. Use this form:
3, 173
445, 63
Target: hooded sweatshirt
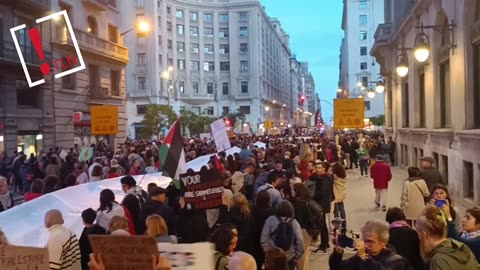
452, 255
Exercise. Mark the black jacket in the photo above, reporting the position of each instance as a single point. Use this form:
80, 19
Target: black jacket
386, 260
133, 204
301, 212
85, 248
323, 190
193, 227
245, 227
406, 243
431, 176
155, 207
259, 217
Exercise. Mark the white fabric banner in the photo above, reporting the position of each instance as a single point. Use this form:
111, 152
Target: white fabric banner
23, 225
200, 161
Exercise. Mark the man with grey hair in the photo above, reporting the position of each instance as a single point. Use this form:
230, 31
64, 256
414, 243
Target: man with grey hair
372, 251
63, 246
6, 197
242, 261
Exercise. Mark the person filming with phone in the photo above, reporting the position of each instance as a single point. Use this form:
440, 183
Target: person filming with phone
441, 199
372, 251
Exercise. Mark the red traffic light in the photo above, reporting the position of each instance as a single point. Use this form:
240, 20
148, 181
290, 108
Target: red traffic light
302, 99
227, 122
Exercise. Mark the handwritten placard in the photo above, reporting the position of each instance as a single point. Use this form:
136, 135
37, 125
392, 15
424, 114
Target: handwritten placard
188, 256
23, 258
124, 252
204, 189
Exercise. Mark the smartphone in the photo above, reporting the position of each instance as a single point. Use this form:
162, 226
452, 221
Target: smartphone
345, 241
440, 203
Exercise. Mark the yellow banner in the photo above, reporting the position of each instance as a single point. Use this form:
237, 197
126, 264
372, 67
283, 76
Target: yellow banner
104, 120
348, 113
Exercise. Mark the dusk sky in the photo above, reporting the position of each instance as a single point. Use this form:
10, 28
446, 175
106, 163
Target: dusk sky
315, 36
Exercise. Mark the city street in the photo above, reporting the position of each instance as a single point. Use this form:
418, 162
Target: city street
360, 205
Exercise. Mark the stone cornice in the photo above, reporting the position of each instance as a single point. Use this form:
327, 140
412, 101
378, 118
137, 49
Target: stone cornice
217, 6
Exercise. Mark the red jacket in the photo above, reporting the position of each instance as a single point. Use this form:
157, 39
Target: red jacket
381, 174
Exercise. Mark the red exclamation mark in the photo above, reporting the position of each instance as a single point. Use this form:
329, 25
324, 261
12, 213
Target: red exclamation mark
37, 44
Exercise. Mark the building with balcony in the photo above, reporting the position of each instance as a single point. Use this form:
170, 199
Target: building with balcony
97, 25
26, 114
358, 70
226, 56
433, 109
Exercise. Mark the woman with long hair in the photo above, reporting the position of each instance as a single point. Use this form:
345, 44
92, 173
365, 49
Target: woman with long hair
240, 215
224, 240
440, 198
108, 209
260, 212
300, 204
158, 229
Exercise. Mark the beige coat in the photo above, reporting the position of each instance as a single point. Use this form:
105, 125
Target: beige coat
412, 200
340, 189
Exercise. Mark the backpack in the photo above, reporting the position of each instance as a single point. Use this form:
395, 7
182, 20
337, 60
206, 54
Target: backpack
283, 235
312, 186
314, 217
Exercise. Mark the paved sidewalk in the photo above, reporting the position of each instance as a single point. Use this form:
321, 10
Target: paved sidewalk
360, 205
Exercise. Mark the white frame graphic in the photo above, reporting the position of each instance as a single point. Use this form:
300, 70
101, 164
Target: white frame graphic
72, 36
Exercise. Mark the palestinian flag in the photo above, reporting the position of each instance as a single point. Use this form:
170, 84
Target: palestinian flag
171, 154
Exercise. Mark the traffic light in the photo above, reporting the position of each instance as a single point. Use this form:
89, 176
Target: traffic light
302, 99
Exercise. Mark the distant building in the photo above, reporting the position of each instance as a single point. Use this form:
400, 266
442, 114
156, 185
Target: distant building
224, 57
358, 70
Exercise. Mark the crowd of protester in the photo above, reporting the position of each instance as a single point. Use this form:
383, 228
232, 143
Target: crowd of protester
278, 204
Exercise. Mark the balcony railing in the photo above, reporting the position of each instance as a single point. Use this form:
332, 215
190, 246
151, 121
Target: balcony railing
36, 6
8, 51
101, 5
96, 45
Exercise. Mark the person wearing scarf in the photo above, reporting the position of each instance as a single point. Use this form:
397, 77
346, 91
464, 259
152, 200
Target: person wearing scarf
134, 199
470, 226
6, 198
404, 239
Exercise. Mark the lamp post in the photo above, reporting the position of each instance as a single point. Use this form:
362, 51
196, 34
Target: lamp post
142, 27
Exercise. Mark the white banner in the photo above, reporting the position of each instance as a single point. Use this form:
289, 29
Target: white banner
222, 142
200, 161
23, 225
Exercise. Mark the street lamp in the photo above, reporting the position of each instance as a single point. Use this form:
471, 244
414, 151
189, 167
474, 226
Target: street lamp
422, 47
371, 93
267, 108
142, 27
380, 86
402, 64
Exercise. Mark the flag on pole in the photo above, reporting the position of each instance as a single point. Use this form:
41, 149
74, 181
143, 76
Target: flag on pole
171, 154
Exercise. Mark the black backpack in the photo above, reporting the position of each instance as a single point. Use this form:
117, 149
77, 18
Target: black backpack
314, 217
283, 235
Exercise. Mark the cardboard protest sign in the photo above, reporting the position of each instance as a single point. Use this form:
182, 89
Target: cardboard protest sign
203, 189
124, 252
23, 258
188, 256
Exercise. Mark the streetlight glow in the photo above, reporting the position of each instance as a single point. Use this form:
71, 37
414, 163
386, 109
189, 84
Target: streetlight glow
170, 68
371, 93
284, 105
274, 101
143, 27
165, 75
339, 90
267, 108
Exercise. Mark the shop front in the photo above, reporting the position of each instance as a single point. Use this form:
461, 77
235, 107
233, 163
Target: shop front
29, 142
82, 131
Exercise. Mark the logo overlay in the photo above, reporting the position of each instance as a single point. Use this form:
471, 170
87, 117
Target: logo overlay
36, 40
